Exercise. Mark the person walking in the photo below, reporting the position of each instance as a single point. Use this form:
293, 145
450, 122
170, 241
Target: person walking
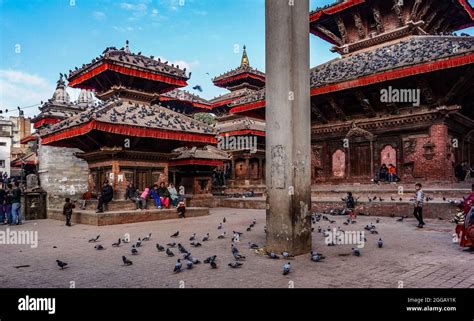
16, 204
418, 210
67, 210
8, 204
3, 214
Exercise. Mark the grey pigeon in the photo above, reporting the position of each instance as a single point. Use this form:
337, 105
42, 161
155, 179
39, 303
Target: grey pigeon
193, 237
206, 238
380, 243
189, 264
134, 250
355, 252
94, 240
160, 248
169, 252
175, 234
235, 265
117, 244
286, 268
253, 246
273, 256
126, 261
61, 264
210, 259
177, 266
99, 247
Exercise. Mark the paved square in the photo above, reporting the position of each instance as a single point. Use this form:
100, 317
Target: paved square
419, 258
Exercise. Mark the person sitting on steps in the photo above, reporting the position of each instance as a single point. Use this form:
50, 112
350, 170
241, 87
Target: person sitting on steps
106, 196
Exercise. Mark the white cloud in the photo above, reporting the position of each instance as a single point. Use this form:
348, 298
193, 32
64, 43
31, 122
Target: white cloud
99, 15
123, 29
154, 13
181, 63
22, 89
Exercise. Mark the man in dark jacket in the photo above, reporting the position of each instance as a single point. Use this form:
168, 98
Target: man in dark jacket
105, 197
3, 214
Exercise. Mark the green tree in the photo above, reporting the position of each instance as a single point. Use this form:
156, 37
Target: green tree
206, 118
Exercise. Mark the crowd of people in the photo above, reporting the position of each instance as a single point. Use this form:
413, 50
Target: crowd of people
163, 195
10, 203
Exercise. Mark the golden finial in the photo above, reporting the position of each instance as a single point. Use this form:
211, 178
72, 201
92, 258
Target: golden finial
245, 58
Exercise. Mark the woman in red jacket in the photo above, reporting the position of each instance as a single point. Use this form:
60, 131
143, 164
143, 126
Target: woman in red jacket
466, 231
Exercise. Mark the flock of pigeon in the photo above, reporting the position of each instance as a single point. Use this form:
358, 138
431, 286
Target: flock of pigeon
186, 260
124, 56
407, 52
116, 110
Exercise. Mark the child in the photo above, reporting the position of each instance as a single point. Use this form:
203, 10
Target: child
181, 208
67, 211
350, 204
141, 201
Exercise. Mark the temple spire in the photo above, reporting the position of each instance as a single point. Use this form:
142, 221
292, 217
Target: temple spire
127, 49
245, 58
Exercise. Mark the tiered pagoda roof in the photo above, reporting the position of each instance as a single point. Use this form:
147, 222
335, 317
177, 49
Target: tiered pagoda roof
205, 156
352, 25
185, 101
411, 56
127, 119
241, 81
135, 76
241, 126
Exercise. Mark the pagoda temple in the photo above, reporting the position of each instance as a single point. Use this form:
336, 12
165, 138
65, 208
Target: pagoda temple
241, 81
127, 137
401, 93
244, 134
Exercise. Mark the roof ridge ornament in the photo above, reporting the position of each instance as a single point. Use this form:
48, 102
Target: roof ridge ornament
245, 58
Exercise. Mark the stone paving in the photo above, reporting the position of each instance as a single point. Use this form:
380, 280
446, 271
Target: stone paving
419, 258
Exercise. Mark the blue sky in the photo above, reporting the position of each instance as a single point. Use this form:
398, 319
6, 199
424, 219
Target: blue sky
41, 38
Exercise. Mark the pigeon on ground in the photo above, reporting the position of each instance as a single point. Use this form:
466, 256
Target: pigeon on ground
224, 220
61, 264
193, 237
249, 229
319, 229
196, 244
147, 238
400, 219
139, 243
238, 257
374, 232
234, 248
187, 256
117, 244
99, 247
189, 264
169, 252
182, 249
253, 246
287, 255
273, 256
355, 252
235, 265
316, 257
380, 243
177, 266
220, 226
206, 238
126, 261
222, 236
377, 220
160, 248
175, 234
286, 268
213, 265
195, 261
94, 240
172, 245
134, 250
210, 259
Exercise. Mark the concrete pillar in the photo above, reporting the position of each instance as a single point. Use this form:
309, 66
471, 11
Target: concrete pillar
288, 130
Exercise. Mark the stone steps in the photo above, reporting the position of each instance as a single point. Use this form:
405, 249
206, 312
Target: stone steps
90, 217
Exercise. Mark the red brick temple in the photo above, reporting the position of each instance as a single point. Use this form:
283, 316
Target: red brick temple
127, 137
364, 107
